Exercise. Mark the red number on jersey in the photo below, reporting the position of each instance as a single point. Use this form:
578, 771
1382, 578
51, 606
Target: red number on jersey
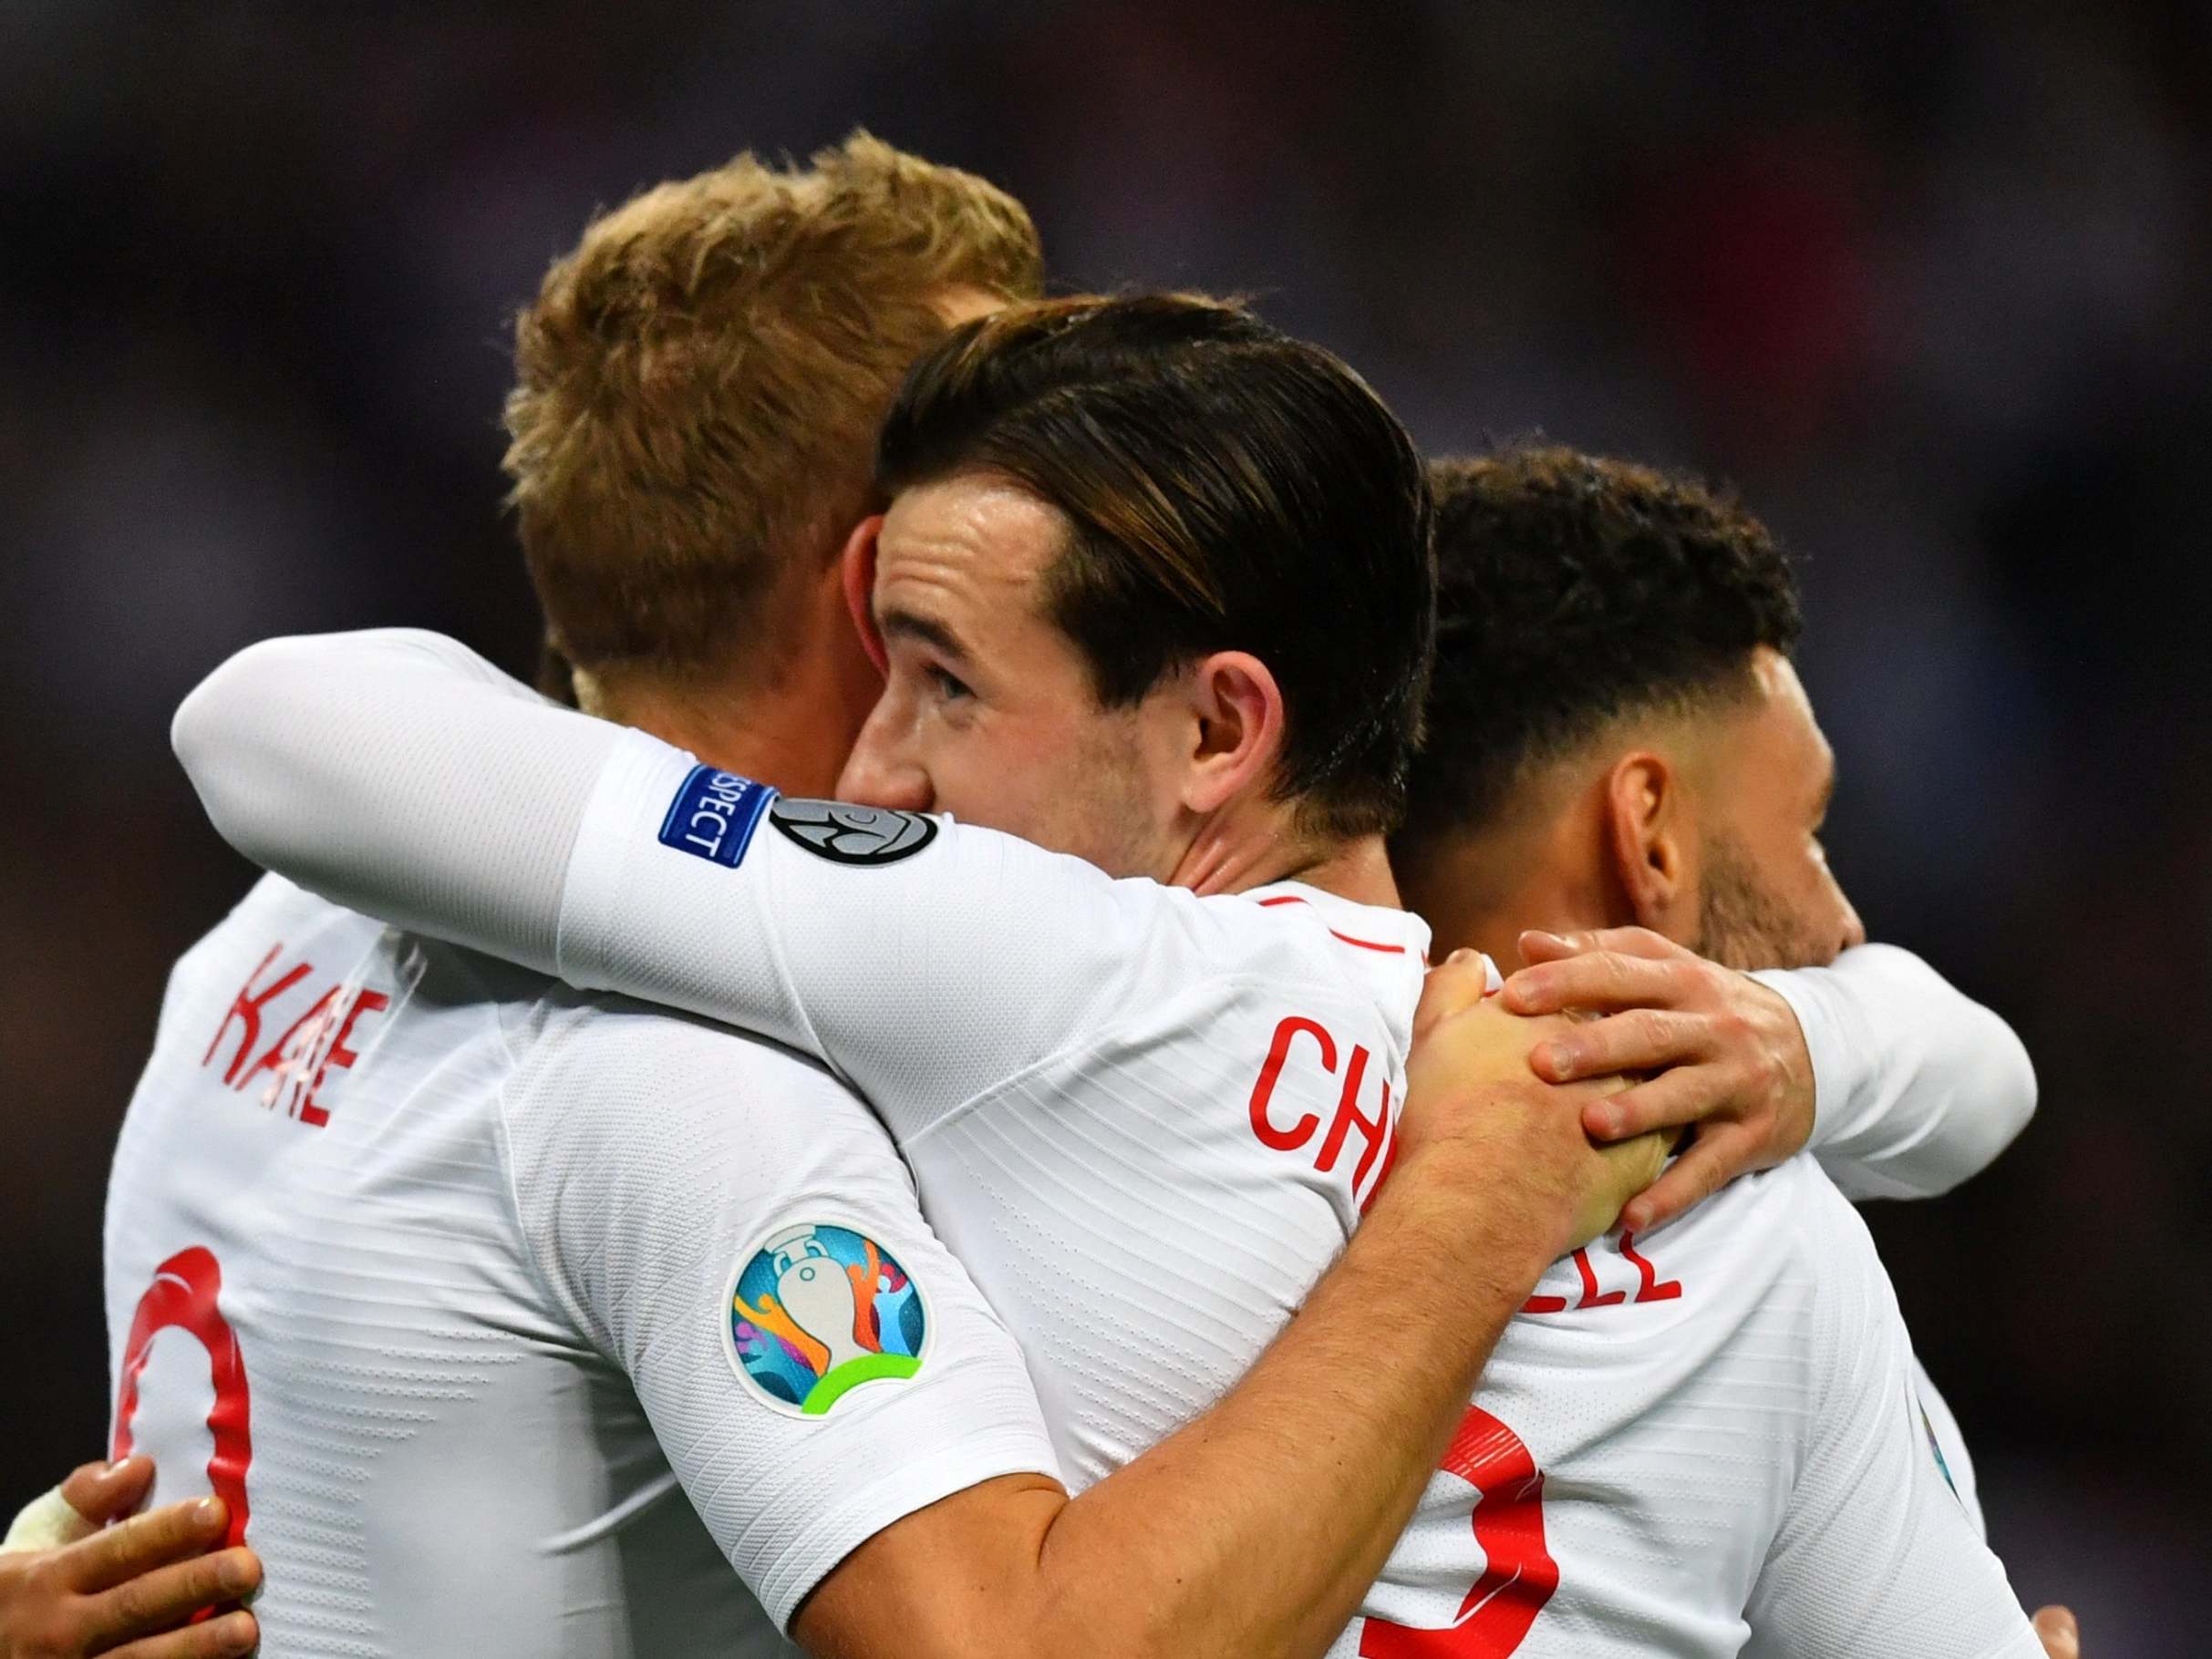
185, 1297
1518, 1574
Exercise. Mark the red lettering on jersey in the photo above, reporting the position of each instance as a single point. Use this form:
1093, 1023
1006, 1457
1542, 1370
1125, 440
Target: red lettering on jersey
1390, 1162
185, 1295
1263, 1091
1648, 1287
1377, 1134
369, 1001
1590, 1298
1519, 1575
300, 1060
1375, 1131
246, 1007
285, 1055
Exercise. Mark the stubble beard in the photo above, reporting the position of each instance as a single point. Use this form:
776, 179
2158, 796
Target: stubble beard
1742, 925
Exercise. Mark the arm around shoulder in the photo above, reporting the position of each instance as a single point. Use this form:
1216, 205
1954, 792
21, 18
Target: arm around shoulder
399, 774
1254, 1531
1916, 1085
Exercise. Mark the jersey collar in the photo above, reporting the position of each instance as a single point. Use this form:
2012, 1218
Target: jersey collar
1383, 949
1373, 928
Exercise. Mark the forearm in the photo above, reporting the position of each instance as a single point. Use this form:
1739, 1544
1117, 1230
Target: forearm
1916, 1086
399, 774
1270, 1517
1255, 1531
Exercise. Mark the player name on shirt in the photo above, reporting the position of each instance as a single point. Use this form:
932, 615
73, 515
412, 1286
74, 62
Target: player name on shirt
298, 1063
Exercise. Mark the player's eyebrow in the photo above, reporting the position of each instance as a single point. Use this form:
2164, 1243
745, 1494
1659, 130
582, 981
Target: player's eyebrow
895, 624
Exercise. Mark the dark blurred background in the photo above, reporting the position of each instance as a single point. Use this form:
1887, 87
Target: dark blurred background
1927, 280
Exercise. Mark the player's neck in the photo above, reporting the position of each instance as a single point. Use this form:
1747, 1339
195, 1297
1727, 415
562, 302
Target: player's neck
1498, 929
785, 714
791, 731
1233, 853
1357, 870
1483, 891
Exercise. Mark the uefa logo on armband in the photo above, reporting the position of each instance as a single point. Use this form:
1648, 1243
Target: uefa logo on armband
818, 1311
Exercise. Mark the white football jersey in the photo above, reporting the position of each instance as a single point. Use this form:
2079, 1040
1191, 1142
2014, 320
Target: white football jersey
1147, 1121
432, 1268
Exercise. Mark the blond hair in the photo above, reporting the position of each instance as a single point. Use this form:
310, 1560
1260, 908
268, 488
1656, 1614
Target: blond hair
698, 387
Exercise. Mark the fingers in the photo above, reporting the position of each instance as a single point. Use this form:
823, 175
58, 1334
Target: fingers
225, 1638
1603, 980
102, 1492
1455, 984
168, 1596
1642, 1039
1539, 947
1668, 1101
1720, 1153
144, 1542
2061, 1637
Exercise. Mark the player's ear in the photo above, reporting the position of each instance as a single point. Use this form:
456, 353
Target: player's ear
1648, 830
1231, 722
857, 567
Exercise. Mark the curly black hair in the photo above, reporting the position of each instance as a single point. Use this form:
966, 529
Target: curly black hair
1574, 589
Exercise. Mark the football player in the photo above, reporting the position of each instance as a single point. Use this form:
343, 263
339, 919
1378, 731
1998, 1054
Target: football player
1153, 588
501, 1316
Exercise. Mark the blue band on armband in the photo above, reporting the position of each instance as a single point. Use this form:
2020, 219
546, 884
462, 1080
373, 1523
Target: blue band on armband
714, 816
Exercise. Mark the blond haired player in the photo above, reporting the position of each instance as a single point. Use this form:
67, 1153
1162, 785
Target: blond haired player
1154, 587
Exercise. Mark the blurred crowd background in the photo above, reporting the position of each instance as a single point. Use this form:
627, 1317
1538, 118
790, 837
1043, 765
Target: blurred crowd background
1927, 280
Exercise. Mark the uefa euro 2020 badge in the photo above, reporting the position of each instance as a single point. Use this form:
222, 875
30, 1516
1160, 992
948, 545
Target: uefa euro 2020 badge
818, 1311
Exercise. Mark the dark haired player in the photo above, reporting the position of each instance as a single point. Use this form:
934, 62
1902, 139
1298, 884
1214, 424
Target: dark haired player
1617, 739
1624, 781
1053, 1049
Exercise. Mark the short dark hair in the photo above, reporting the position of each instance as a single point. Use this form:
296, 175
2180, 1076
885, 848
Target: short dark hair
1227, 488
1573, 589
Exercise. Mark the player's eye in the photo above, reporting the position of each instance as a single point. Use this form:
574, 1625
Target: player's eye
949, 686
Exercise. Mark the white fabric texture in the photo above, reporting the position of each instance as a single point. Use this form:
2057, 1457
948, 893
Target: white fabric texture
1730, 1448
1916, 1086
1951, 1447
1875, 1539
1146, 1122
475, 1247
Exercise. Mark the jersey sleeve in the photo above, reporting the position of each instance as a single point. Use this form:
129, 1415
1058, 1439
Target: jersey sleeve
733, 1230
399, 775
1916, 1086
1876, 1553
924, 959
1949, 1441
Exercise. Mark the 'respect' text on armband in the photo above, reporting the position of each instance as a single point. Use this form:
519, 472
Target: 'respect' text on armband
714, 815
